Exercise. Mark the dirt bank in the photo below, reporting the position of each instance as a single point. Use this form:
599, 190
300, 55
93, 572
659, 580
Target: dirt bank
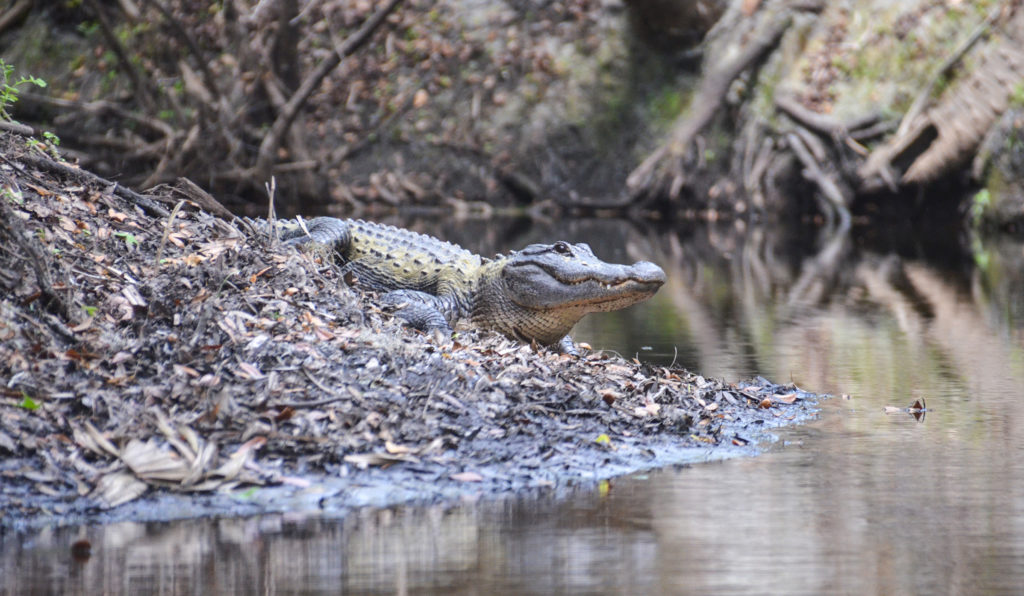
150, 349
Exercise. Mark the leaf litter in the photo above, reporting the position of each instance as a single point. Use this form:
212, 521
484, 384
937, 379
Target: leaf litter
230, 362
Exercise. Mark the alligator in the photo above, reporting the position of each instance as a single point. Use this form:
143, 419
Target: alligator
535, 294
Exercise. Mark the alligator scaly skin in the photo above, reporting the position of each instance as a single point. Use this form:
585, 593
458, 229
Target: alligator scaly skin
535, 294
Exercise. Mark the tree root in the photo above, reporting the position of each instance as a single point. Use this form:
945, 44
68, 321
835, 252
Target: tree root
836, 200
932, 141
663, 172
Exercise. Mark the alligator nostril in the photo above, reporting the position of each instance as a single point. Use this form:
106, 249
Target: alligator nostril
650, 272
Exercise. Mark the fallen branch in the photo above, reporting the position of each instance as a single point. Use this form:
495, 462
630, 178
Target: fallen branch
17, 127
56, 167
191, 191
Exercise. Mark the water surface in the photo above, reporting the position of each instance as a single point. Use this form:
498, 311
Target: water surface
859, 501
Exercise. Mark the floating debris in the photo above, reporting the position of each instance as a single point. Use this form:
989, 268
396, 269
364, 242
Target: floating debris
918, 409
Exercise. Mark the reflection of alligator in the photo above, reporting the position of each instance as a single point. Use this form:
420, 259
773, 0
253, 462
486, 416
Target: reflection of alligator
535, 294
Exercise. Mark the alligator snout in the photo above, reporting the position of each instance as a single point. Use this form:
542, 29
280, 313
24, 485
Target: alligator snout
648, 272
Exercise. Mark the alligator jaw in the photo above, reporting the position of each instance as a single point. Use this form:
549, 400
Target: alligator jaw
604, 288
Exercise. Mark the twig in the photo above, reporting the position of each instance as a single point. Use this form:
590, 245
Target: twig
98, 107
140, 84
167, 231
272, 140
209, 80
876, 130
823, 124
13, 14
335, 396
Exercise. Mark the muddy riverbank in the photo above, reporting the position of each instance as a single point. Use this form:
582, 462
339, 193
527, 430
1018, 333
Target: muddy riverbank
158, 361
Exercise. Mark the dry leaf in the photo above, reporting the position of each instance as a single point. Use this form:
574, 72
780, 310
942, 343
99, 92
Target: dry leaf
117, 489
365, 460
420, 99
395, 449
249, 372
467, 477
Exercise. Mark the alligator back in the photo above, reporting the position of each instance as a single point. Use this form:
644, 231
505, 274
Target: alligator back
385, 258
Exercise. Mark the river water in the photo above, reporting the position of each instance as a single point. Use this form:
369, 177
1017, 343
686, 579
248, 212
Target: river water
863, 500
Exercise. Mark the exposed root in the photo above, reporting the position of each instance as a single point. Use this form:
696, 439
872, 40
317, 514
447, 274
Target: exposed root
930, 144
663, 173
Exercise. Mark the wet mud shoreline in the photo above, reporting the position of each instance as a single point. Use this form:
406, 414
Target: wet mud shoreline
159, 362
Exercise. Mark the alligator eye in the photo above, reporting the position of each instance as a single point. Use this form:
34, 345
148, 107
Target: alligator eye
562, 248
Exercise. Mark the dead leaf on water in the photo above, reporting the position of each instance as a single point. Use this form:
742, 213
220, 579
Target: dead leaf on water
918, 409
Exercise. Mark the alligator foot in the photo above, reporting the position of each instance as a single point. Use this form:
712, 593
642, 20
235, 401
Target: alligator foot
418, 309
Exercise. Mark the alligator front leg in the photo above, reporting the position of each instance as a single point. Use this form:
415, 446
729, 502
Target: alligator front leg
418, 309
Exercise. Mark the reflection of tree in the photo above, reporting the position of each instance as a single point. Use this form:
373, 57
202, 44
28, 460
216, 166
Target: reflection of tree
732, 288
754, 302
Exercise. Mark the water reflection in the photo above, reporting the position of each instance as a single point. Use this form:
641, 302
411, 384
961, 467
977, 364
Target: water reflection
858, 502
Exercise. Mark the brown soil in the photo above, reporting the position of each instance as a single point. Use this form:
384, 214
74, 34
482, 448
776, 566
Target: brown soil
149, 348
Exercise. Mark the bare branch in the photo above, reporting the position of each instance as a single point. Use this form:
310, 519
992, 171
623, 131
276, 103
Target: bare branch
14, 14
271, 142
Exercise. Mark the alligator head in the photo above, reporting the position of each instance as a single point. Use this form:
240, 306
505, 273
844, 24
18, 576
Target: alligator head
546, 288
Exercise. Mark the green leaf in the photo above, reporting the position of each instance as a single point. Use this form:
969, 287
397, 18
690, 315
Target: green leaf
247, 494
28, 403
128, 238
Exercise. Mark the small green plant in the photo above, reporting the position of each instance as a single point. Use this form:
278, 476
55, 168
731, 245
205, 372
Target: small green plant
13, 195
90, 311
128, 238
979, 204
28, 403
1017, 97
9, 87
